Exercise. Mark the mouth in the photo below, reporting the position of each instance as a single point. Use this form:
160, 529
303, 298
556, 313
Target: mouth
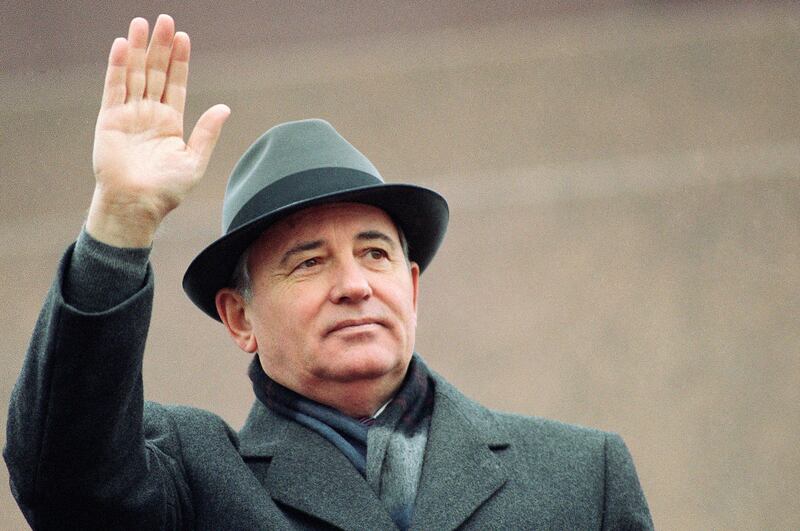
354, 325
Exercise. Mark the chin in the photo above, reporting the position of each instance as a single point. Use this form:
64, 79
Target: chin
361, 364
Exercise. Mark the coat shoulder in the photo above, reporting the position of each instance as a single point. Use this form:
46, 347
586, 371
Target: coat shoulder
571, 470
549, 431
520, 428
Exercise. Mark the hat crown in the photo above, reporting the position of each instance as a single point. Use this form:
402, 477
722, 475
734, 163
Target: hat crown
285, 150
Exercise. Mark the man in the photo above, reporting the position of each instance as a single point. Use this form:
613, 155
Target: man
317, 275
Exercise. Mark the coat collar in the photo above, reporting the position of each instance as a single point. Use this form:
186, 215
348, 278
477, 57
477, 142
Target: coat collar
461, 468
307, 473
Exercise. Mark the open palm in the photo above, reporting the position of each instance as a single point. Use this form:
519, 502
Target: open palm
143, 168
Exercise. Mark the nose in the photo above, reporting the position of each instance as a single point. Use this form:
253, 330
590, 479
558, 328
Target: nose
350, 283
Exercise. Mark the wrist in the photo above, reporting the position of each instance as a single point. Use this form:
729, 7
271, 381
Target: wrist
119, 223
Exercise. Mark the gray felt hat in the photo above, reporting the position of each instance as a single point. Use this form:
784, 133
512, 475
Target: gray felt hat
296, 165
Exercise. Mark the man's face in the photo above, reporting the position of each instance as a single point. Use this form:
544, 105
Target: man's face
334, 299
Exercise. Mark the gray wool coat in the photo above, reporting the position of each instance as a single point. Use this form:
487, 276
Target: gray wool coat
85, 451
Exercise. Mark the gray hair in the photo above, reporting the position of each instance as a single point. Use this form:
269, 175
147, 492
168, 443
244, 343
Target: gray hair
241, 282
240, 279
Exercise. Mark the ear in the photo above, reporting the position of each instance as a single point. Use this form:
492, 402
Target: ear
414, 270
231, 308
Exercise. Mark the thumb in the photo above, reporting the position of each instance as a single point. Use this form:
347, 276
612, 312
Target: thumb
206, 133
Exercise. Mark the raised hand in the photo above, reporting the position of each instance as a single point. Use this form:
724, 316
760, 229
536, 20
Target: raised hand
143, 168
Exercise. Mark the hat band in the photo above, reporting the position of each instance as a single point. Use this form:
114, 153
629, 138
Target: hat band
301, 187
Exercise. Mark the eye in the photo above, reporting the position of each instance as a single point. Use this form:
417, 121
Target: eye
307, 264
377, 254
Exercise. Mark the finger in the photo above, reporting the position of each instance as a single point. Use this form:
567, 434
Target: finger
178, 74
137, 43
158, 53
205, 134
114, 88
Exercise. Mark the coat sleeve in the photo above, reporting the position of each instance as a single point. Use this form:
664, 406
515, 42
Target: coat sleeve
624, 506
76, 450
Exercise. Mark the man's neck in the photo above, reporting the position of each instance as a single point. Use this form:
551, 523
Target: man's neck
354, 399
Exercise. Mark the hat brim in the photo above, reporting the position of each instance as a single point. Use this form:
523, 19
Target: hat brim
421, 213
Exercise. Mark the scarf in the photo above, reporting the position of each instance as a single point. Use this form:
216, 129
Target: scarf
412, 403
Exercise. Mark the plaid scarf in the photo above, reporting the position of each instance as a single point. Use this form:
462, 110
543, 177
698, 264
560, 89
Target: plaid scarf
412, 402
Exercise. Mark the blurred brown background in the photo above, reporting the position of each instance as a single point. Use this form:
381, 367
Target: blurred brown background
624, 249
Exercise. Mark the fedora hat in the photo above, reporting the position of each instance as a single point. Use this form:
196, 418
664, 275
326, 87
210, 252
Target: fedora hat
296, 165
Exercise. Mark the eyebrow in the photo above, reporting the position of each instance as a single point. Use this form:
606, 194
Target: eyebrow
375, 235
366, 235
301, 248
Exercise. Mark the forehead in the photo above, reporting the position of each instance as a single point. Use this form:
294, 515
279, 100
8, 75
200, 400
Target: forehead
315, 222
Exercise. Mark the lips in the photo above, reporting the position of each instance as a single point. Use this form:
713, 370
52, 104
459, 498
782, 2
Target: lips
353, 323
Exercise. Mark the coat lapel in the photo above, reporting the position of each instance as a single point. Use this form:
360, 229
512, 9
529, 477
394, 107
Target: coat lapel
461, 470
302, 470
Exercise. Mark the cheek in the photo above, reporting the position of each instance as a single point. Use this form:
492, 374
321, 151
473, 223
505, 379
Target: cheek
269, 324
294, 319
402, 298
